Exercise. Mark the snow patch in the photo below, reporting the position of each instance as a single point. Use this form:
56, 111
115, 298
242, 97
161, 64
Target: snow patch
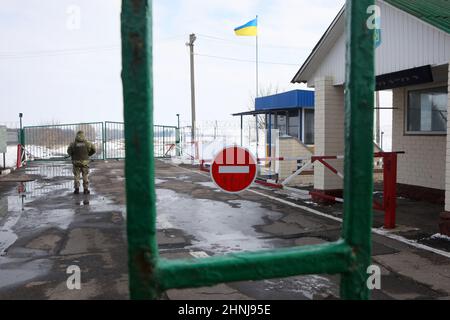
439, 236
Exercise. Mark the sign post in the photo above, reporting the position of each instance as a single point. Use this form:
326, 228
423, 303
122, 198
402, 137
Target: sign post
3, 143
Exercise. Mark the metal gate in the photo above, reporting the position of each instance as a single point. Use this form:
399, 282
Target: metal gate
150, 274
114, 140
50, 142
164, 141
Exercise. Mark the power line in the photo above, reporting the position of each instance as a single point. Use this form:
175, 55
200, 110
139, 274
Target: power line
168, 39
245, 60
248, 45
56, 52
4, 55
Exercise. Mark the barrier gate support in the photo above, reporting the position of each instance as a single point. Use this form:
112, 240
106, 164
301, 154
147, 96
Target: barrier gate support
389, 204
20, 156
151, 275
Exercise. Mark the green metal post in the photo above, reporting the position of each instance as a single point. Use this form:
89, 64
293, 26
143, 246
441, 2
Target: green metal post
104, 140
178, 137
359, 117
136, 25
22, 131
329, 258
150, 275
164, 143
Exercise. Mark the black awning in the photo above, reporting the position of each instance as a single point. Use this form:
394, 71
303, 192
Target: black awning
405, 78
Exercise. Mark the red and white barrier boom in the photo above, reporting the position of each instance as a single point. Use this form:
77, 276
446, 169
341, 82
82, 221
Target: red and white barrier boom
20, 156
389, 203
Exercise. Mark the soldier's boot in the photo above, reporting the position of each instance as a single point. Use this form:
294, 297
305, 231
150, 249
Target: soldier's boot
77, 191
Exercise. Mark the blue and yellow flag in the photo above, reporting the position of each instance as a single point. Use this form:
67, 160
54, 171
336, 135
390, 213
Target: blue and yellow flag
249, 29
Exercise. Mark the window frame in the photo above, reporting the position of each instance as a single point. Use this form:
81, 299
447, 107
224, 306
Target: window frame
406, 100
304, 126
298, 126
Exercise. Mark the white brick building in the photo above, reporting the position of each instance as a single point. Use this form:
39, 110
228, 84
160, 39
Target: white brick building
412, 60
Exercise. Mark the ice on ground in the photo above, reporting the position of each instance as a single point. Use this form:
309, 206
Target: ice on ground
159, 181
312, 286
439, 236
211, 185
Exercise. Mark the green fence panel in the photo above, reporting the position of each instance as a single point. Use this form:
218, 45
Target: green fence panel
149, 274
114, 140
164, 141
50, 142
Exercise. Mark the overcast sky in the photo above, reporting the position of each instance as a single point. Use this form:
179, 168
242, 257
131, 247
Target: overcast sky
60, 59
56, 67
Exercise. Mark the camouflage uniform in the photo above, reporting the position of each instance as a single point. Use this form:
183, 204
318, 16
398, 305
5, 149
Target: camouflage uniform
80, 150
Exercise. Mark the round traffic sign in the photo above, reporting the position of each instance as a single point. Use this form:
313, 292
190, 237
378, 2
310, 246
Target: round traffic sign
234, 169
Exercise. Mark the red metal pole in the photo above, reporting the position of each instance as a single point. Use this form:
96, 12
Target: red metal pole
390, 189
19, 156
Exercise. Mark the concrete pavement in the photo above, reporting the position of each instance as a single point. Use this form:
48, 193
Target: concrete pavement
44, 229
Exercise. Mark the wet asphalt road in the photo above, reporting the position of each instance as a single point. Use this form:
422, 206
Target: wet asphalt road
44, 228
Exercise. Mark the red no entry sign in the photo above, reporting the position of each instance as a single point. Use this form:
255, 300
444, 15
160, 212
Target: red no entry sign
234, 169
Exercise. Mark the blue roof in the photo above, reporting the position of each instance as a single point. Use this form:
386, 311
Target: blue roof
288, 100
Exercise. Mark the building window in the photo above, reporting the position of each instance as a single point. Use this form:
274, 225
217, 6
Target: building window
309, 126
294, 124
427, 111
282, 123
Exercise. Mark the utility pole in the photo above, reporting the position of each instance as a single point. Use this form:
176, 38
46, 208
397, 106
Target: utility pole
190, 44
378, 124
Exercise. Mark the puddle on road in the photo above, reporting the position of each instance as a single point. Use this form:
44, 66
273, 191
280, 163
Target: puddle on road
33, 207
16, 271
16, 213
50, 171
219, 227
15, 210
7, 235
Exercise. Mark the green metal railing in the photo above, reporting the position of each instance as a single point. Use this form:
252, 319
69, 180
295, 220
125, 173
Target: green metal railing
114, 140
164, 141
150, 275
50, 142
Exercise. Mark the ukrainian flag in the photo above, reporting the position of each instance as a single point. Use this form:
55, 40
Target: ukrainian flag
249, 29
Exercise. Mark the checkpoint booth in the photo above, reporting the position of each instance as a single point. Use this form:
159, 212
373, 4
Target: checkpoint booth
285, 128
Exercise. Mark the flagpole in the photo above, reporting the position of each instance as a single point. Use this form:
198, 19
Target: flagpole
257, 62
257, 85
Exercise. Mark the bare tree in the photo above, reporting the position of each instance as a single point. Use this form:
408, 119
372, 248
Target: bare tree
263, 92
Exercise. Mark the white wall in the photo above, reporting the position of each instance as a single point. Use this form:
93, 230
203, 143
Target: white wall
424, 161
407, 42
329, 132
293, 148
